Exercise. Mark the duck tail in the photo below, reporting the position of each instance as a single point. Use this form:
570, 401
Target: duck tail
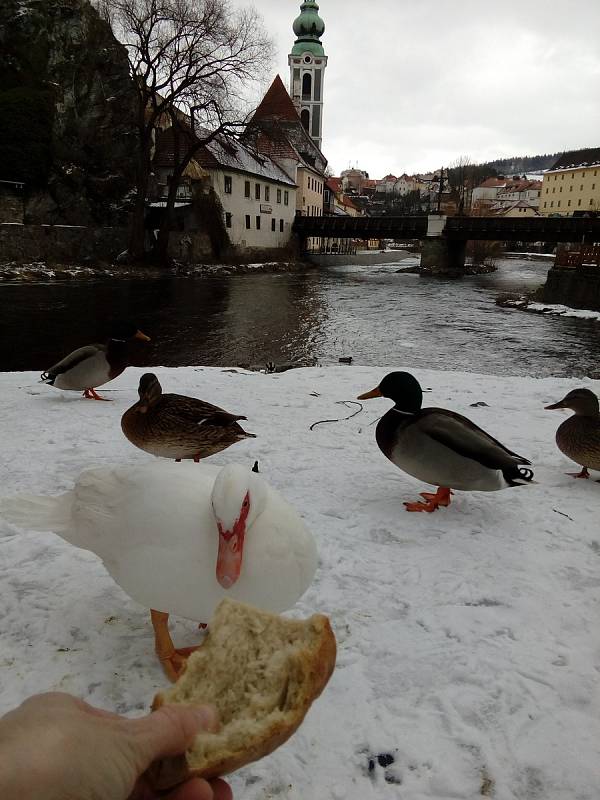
38, 513
518, 476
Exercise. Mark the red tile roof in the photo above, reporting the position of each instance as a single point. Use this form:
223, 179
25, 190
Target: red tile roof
276, 104
335, 184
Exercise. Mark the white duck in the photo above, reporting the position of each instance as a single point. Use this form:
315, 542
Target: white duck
180, 538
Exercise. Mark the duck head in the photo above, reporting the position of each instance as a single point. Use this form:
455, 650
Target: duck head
581, 401
401, 387
149, 391
238, 498
123, 331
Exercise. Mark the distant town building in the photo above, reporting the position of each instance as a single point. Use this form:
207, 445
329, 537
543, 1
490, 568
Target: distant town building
572, 185
307, 63
354, 180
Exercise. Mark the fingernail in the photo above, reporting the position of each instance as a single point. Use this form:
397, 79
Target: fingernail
207, 717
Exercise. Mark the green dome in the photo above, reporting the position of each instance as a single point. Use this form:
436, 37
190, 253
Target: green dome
308, 27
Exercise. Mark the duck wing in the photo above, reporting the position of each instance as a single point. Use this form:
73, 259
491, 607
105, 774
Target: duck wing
464, 437
72, 360
198, 412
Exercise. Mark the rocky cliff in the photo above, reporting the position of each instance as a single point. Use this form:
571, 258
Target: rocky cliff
67, 106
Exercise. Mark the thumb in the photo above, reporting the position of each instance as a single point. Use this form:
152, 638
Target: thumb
169, 731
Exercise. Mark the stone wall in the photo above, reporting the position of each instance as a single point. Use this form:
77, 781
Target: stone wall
60, 244
11, 207
576, 287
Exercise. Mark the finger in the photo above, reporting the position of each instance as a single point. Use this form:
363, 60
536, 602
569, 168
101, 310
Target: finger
169, 731
196, 789
221, 790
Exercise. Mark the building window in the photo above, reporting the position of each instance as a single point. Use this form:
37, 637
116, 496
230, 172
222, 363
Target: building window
306, 86
281, 226
227, 184
267, 193
279, 195
545, 204
591, 202
273, 224
246, 188
305, 118
258, 223
593, 185
227, 219
560, 190
247, 222
551, 203
579, 202
558, 206
569, 203
570, 188
553, 189
286, 198
257, 191
562, 177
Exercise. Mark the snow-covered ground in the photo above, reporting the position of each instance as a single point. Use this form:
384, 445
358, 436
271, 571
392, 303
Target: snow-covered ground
469, 639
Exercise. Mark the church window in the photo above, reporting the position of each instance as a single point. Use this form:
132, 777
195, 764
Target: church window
305, 117
317, 92
306, 86
316, 120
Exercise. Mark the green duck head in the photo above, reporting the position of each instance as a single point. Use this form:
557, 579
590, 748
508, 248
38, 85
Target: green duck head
401, 387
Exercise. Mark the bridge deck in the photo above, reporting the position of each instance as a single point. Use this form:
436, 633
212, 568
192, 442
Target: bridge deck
531, 229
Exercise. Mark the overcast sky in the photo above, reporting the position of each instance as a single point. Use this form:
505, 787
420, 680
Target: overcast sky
413, 84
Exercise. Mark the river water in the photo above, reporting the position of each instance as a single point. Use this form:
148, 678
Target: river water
374, 314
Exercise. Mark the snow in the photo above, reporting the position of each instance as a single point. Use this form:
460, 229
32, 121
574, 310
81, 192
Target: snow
469, 641
564, 311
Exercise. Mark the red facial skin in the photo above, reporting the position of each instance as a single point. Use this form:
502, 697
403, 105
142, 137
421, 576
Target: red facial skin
231, 547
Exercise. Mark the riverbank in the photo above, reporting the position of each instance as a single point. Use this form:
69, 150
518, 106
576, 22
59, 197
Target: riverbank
468, 638
43, 271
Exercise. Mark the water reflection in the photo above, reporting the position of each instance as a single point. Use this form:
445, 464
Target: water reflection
373, 314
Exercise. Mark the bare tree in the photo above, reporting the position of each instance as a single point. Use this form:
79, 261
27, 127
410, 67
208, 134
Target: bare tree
192, 62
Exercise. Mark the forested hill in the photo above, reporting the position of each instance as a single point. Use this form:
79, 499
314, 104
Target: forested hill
519, 165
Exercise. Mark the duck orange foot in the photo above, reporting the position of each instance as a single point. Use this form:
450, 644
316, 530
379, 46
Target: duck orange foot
583, 474
432, 501
91, 394
173, 659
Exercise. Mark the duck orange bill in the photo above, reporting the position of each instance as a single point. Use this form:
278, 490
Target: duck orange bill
368, 395
231, 550
141, 336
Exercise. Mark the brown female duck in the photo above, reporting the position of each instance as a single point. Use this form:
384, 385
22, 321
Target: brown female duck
176, 426
579, 436
88, 367
441, 447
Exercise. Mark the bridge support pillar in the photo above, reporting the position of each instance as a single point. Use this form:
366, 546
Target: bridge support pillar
444, 257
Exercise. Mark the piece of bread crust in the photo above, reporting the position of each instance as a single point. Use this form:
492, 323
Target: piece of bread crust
262, 672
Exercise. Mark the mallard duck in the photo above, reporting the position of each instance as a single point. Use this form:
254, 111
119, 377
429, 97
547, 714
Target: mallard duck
180, 538
94, 365
441, 447
176, 426
579, 436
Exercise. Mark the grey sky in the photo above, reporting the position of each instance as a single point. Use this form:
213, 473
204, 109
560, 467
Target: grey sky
413, 84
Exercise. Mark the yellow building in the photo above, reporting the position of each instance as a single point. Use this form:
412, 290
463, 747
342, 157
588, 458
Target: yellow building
572, 185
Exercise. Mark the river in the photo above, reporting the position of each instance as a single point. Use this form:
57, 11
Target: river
374, 314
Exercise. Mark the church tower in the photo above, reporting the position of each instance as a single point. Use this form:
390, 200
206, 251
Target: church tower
307, 69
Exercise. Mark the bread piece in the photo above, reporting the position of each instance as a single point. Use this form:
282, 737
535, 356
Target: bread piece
262, 672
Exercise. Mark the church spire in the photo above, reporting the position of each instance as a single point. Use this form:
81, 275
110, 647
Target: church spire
307, 63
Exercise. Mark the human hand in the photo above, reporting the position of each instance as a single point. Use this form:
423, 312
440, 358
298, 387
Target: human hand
60, 748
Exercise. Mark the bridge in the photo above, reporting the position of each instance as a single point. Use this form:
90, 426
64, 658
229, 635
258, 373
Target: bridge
445, 238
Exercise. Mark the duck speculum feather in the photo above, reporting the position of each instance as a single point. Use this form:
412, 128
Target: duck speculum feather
579, 436
441, 447
177, 426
